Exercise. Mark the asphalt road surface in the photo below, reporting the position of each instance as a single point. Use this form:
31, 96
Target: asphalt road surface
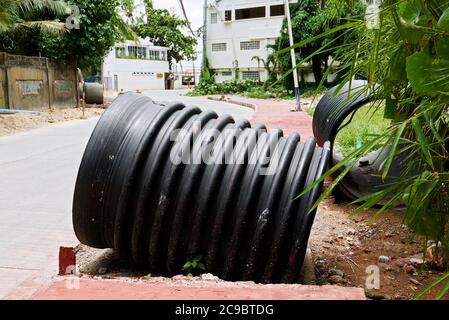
38, 170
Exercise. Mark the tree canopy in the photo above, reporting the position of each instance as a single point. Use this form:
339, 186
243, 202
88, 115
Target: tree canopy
98, 27
166, 29
310, 19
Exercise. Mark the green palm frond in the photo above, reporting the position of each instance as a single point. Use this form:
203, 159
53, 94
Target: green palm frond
5, 21
45, 25
57, 7
16, 14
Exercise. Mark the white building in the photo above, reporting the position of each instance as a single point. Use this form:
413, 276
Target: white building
132, 66
187, 74
237, 31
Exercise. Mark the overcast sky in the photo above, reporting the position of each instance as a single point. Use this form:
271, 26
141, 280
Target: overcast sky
194, 9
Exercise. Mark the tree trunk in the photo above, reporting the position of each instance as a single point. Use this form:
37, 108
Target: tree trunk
317, 70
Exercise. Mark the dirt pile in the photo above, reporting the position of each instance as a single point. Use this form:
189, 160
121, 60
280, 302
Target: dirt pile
18, 122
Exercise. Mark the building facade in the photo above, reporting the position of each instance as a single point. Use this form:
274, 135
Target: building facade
132, 66
186, 74
238, 33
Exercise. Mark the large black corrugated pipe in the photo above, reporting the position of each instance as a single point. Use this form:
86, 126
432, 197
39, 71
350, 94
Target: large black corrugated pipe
335, 106
218, 188
332, 110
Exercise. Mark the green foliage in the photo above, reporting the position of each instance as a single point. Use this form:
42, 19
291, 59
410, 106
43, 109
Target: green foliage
407, 57
194, 266
165, 29
100, 28
310, 20
207, 88
207, 75
246, 88
17, 15
430, 77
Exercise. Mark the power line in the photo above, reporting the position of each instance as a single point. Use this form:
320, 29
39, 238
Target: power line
185, 17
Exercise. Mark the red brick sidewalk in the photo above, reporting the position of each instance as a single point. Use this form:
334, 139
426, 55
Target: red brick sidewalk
277, 115
72, 288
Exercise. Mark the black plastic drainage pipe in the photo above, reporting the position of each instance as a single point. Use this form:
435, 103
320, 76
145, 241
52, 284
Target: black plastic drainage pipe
152, 195
337, 105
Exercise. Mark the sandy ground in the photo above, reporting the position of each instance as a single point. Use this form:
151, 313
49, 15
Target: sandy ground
14, 123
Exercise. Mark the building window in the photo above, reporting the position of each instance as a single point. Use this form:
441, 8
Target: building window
141, 52
132, 52
228, 15
213, 18
219, 46
155, 55
250, 45
163, 56
137, 52
108, 83
226, 73
277, 10
120, 52
251, 75
250, 13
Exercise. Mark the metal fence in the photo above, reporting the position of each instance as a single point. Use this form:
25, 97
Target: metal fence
34, 83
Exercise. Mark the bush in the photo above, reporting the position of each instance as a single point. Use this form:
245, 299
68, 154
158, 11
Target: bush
227, 87
407, 56
247, 88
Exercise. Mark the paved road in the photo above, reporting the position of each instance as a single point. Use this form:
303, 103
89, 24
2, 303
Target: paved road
37, 175
205, 104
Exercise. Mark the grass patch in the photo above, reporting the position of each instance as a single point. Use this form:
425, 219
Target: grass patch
368, 122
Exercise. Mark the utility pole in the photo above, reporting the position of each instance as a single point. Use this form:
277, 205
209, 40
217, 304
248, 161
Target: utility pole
204, 32
194, 72
292, 53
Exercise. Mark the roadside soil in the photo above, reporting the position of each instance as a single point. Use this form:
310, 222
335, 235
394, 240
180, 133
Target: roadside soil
19, 122
348, 249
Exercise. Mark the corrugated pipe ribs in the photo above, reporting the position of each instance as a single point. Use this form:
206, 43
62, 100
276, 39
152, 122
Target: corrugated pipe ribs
163, 184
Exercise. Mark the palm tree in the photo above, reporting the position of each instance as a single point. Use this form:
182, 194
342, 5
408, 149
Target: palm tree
269, 64
128, 9
259, 60
17, 14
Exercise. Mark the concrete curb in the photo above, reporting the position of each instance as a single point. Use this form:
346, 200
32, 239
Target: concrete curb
206, 288
233, 101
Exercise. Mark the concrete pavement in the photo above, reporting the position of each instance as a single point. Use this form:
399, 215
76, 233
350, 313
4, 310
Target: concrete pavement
238, 112
37, 177
38, 170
